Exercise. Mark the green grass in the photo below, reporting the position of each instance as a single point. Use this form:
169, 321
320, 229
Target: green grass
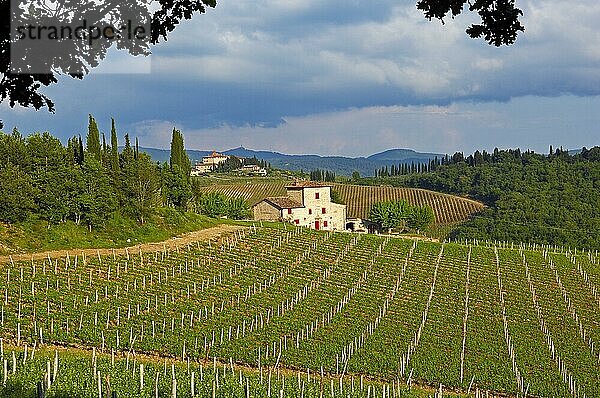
74, 378
36, 235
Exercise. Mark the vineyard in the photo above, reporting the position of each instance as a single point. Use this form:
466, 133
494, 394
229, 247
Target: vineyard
448, 209
294, 312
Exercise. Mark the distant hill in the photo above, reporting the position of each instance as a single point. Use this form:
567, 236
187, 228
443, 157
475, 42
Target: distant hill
339, 164
162, 155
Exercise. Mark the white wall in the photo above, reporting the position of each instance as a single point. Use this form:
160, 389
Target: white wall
335, 214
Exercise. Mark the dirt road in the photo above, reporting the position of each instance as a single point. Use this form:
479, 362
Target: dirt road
181, 240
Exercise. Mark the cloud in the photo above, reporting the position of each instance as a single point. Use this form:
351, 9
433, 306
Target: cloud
523, 122
321, 49
242, 68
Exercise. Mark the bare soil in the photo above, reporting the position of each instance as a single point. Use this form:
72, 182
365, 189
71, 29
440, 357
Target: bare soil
177, 241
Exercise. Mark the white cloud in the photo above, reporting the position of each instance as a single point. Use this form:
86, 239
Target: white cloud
363, 131
334, 133
339, 66
428, 61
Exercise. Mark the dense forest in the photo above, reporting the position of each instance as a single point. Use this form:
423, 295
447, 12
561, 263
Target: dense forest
552, 199
42, 178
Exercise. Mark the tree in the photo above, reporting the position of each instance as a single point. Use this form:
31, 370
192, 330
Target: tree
141, 185
74, 59
97, 200
217, 204
237, 208
499, 19
114, 146
421, 217
13, 149
177, 187
92, 140
16, 194
391, 214
179, 156
49, 167
336, 197
213, 204
127, 156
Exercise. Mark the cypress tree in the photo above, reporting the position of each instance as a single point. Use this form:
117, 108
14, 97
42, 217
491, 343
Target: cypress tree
127, 154
93, 139
80, 154
114, 148
105, 154
178, 155
104, 147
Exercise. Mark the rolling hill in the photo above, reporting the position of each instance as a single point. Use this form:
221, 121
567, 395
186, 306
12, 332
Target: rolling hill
448, 209
332, 313
341, 165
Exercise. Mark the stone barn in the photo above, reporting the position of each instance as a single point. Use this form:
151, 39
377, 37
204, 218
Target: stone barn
307, 204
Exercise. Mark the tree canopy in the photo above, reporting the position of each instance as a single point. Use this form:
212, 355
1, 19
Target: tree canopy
499, 19
544, 198
401, 215
42, 179
75, 58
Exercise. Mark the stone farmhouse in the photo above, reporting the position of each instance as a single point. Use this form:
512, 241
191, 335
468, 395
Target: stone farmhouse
307, 204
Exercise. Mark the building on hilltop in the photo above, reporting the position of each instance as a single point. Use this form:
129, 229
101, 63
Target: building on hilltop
307, 204
209, 163
253, 169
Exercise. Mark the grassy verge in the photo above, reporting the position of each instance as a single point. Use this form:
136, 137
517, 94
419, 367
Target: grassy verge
35, 235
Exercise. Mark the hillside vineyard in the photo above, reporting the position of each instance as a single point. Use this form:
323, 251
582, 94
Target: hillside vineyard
395, 310
448, 209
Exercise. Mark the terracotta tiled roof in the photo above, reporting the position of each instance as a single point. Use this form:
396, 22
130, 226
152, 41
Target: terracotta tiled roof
283, 202
215, 154
307, 184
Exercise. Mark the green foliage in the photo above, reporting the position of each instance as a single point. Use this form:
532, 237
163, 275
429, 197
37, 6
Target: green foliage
97, 200
400, 215
420, 217
93, 139
237, 208
141, 185
61, 184
550, 199
177, 189
216, 204
322, 175
336, 197
179, 156
114, 149
16, 194
232, 163
213, 204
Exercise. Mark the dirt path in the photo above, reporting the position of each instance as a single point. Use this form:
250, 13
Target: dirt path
177, 241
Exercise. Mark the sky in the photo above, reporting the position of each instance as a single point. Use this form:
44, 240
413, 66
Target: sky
345, 77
